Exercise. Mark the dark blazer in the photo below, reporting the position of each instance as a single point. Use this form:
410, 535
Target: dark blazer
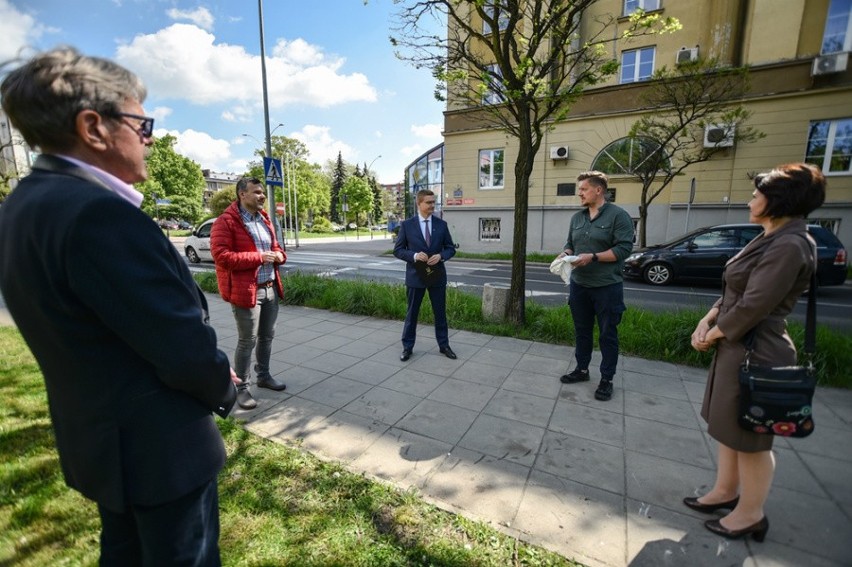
410, 241
119, 328
762, 284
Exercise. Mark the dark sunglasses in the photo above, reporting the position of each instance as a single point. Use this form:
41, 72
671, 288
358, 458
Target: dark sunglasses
146, 126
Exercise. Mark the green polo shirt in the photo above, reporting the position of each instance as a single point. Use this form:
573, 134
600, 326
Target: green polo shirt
612, 230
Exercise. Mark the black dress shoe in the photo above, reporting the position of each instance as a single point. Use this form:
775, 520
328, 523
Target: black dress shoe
693, 503
406, 354
245, 399
757, 531
271, 384
448, 352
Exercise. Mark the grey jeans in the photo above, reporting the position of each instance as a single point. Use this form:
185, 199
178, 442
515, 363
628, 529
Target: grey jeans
255, 326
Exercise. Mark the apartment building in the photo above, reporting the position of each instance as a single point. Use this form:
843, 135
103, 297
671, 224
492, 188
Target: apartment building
800, 98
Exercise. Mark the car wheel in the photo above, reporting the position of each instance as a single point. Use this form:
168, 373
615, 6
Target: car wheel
658, 273
192, 255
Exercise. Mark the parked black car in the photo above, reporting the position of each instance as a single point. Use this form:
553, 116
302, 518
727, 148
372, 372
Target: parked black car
702, 254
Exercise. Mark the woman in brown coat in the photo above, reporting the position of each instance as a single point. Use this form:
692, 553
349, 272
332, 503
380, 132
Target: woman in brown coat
762, 284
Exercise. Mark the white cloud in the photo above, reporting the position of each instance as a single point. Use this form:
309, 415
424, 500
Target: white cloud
17, 30
411, 151
200, 147
428, 131
297, 73
160, 113
322, 146
201, 17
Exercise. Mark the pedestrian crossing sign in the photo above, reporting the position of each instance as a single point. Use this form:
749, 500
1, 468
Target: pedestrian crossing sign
272, 170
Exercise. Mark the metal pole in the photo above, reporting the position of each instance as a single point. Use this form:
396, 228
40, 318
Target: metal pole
270, 190
295, 198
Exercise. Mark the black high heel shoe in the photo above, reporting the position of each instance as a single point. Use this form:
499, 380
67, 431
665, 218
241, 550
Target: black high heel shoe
757, 531
693, 503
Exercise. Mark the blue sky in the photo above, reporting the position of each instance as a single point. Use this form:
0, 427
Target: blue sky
332, 76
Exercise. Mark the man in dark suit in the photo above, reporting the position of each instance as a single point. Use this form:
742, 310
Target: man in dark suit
424, 242
112, 314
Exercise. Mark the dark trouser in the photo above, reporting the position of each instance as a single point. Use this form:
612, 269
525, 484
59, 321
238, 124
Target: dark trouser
255, 326
438, 299
607, 305
181, 532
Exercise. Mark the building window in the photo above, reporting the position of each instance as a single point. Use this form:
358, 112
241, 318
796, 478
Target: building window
635, 231
490, 169
637, 64
830, 146
493, 75
838, 27
489, 230
502, 19
628, 156
631, 6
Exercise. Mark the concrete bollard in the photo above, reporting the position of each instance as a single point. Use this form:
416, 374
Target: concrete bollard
495, 302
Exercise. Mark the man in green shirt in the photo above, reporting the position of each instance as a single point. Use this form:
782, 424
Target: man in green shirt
601, 236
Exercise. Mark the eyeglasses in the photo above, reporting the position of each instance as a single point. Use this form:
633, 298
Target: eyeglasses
146, 127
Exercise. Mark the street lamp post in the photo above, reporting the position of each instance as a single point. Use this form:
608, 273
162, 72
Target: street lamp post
367, 173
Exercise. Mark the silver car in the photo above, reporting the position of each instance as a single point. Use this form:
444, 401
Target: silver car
197, 245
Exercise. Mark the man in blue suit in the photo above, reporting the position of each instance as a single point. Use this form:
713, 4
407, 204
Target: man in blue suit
424, 242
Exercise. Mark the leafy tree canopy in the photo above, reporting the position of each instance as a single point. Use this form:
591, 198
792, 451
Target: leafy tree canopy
172, 177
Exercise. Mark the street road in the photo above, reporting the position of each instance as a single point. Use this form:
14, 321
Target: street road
834, 304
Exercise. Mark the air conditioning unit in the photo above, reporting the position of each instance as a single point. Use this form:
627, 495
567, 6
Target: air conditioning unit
831, 63
719, 136
558, 152
686, 54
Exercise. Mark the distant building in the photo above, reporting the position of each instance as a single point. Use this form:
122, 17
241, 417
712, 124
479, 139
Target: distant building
427, 172
216, 182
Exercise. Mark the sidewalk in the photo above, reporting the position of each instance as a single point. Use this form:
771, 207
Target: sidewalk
494, 436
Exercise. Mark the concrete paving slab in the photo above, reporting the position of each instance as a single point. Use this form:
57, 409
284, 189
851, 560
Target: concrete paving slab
331, 362
593, 423
468, 338
657, 408
438, 420
581, 460
343, 436
563, 353
675, 443
369, 371
335, 391
299, 378
413, 382
328, 342
538, 384
509, 344
436, 364
503, 438
536, 364
665, 386
381, 404
298, 354
488, 487
481, 373
496, 357
795, 474
526, 408
663, 483
288, 420
468, 395
832, 475
577, 520
402, 457
360, 348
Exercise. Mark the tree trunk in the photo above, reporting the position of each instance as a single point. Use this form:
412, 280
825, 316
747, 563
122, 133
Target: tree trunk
643, 220
517, 290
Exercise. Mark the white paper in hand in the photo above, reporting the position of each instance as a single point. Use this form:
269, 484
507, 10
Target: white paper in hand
562, 267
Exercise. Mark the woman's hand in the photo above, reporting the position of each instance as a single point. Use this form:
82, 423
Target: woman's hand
705, 334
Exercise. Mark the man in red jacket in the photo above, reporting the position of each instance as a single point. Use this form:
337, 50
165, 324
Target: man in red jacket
247, 257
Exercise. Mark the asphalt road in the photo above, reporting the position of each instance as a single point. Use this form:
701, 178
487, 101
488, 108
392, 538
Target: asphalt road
367, 259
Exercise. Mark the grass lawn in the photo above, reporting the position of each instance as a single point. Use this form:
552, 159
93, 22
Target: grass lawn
279, 505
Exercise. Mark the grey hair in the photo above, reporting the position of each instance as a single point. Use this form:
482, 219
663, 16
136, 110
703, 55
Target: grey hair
44, 96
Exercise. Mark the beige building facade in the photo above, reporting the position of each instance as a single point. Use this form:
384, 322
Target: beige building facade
800, 98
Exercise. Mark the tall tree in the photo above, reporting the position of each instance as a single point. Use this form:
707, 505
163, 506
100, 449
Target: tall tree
688, 99
338, 178
175, 178
358, 196
523, 77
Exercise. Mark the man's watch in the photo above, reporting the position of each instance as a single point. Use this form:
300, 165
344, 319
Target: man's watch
594, 257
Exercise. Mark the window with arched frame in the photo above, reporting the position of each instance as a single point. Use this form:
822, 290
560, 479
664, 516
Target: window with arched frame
631, 156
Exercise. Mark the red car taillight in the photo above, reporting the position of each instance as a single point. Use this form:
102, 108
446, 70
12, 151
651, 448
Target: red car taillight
840, 258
